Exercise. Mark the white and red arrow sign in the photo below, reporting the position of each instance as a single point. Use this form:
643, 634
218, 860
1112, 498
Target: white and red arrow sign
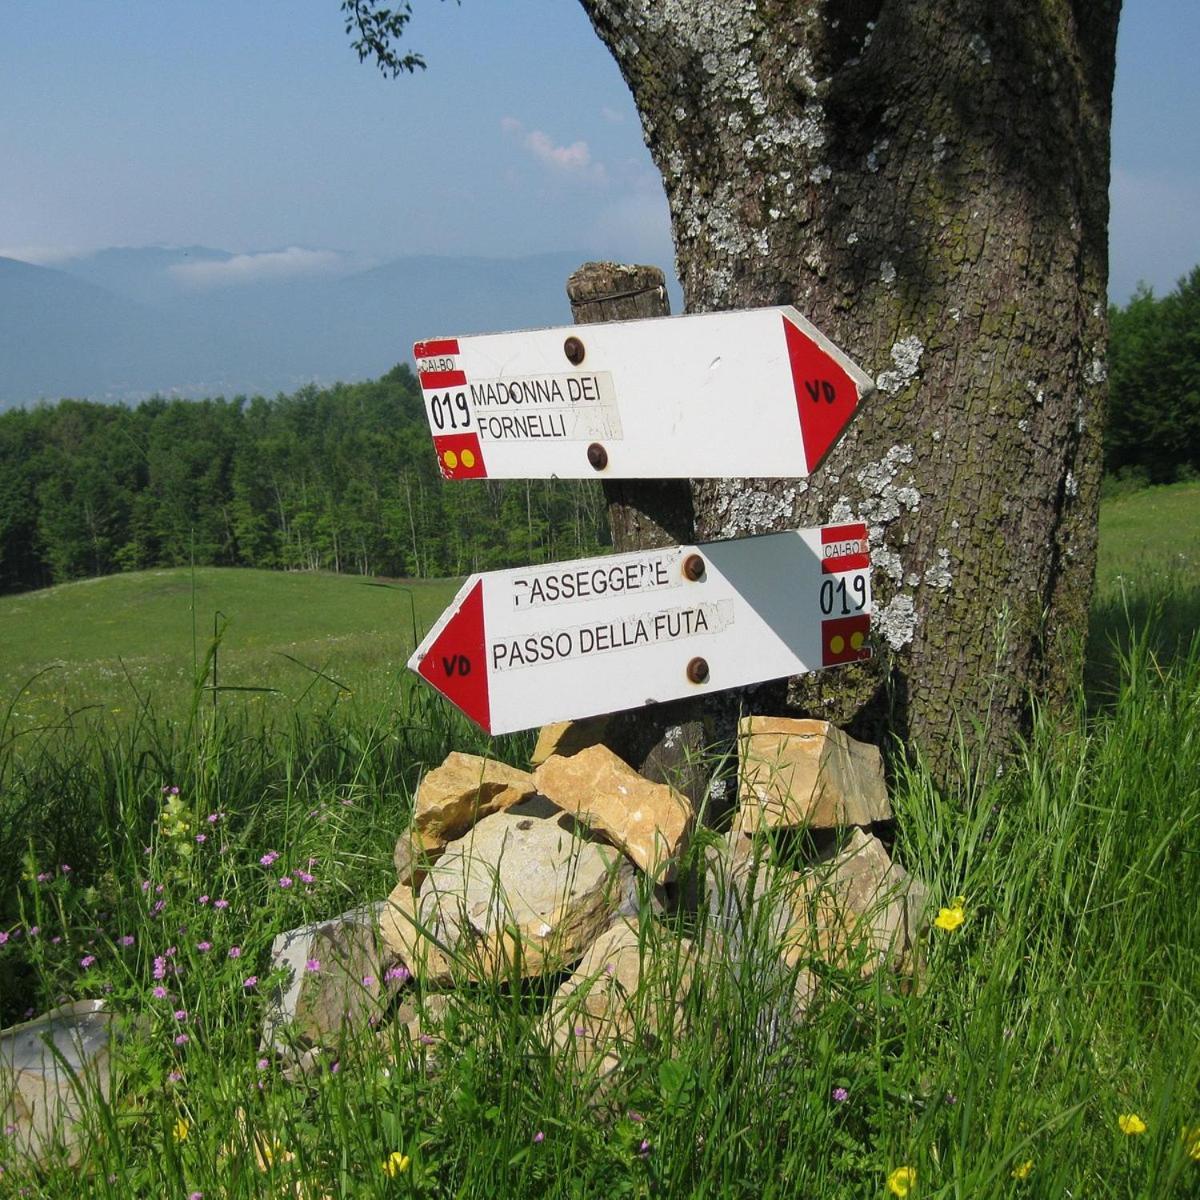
756, 393
528, 646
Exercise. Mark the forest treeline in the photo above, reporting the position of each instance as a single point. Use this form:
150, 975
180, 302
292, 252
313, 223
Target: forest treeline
340, 479
1153, 429
344, 478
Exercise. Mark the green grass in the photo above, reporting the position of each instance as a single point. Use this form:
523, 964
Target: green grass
1147, 579
126, 642
1070, 995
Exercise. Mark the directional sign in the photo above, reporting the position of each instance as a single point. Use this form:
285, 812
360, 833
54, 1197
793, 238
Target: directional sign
755, 393
537, 644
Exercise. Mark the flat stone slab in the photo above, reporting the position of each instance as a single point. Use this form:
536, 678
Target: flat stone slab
40, 1095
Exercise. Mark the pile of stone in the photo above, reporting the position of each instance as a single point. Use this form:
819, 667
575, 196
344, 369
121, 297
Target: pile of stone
562, 874
566, 870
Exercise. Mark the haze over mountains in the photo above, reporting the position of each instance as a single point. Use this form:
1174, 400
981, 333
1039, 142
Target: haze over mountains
126, 323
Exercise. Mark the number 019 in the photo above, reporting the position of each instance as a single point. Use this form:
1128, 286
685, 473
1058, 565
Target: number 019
842, 600
450, 410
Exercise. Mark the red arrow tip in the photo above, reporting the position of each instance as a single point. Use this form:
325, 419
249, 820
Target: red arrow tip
826, 396
456, 661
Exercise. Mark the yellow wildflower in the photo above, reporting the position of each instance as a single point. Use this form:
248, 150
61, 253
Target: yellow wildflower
951, 918
179, 1131
1191, 1141
1131, 1124
902, 1181
1022, 1170
395, 1164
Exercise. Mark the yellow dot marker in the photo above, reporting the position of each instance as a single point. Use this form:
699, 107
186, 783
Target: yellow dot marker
468, 459
450, 459
856, 641
837, 643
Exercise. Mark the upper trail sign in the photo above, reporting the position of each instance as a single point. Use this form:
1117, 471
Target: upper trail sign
522, 647
759, 393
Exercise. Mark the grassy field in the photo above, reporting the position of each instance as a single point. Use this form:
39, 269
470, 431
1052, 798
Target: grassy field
1068, 999
127, 642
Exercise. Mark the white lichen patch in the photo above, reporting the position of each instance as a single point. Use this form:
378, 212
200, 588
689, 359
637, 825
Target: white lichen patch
887, 272
906, 355
748, 512
874, 153
938, 574
819, 173
980, 49
852, 238
896, 621
1072, 485
1096, 372
939, 148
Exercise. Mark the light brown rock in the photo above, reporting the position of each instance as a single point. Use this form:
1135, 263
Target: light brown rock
625, 988
568, 737
521, 895
650, 822
44, 1092
463, 790
331, 980
795, 773
406, 942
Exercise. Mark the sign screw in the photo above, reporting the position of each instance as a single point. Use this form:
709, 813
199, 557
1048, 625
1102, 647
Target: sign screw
693, 567
597, 456
697, 670
573, 349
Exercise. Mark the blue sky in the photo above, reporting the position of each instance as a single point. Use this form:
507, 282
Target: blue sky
253, 128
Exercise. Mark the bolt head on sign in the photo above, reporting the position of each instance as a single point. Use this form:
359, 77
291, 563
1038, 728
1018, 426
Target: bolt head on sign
760, 393
560, 641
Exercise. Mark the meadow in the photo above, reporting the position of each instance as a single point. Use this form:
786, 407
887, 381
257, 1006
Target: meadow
1066, 1003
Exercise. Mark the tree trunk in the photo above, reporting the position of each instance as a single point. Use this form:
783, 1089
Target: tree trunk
927, 180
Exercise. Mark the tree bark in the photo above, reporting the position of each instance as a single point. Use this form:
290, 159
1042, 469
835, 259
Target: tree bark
927, 181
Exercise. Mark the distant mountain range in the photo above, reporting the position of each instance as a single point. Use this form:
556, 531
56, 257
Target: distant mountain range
124, 324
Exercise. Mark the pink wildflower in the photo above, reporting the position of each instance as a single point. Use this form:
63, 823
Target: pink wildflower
235, 952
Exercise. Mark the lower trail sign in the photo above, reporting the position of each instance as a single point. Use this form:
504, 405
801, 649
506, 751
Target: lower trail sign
528, 646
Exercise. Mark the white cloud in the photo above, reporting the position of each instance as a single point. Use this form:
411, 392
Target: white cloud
612, 115
575, 159
41, 256
257, 268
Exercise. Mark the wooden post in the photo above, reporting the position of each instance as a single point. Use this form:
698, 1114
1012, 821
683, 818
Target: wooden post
665, 742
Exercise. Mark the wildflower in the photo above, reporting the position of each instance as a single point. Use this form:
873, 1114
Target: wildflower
395, 1164
126, 940
201, 838
635, 1117
182, 1039
87, 960
180, 1130
174, 1076
213, 818
160, 992
1131, 1124
1190, 1136
204, 947
368, 981
250, 982
396, 975
160, 967
220, 904
262, 1064
268, 858
65, 868
285, 881
1022, 1170
538, 1137
195, 1196
44, 877
644, 1149
159, 905
3, 936
313, 965
305, 877
902, 1181
951, 918
181, 1014
235, 952
840, 1095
